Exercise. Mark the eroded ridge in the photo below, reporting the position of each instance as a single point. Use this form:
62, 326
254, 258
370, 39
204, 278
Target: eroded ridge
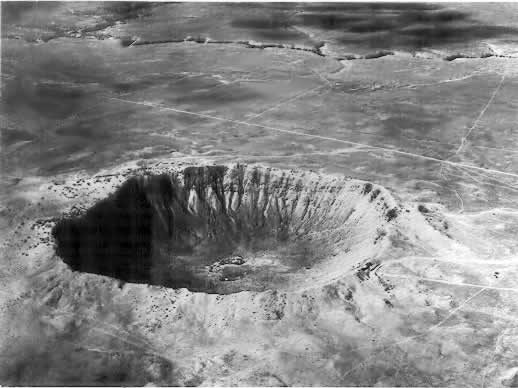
224, 228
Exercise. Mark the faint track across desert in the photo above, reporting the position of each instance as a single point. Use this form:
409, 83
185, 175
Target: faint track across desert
482, 286
292, 132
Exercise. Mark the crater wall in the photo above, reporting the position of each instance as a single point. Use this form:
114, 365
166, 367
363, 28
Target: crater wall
225, 228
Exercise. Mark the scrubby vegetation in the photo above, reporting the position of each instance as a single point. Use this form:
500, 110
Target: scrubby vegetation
391, 214
423, 209
375, 194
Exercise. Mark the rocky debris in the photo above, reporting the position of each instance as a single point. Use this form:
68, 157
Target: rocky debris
381, 233
235, 260
364, 272
391, 214
374, 195
367, 188
435, 219
388, 303
485, 55
387, 286
378, 54
232, 260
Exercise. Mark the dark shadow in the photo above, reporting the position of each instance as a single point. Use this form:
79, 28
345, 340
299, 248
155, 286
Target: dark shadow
112, 238
129, 235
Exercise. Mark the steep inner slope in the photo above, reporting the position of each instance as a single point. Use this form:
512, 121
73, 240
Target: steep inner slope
224, 229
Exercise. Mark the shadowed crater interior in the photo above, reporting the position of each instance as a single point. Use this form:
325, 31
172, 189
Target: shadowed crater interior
213, 229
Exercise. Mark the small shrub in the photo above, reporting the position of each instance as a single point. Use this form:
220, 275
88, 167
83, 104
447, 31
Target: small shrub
367, 188
391, 214
375, 194
423, 209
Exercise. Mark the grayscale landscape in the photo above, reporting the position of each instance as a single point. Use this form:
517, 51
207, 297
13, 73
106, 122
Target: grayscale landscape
259, 194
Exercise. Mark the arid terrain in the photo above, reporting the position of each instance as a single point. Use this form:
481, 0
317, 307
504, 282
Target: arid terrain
259, 194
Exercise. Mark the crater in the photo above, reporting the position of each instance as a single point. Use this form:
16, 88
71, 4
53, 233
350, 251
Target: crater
224, 229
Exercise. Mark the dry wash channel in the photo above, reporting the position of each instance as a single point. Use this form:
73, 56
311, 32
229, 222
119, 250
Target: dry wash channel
225, 229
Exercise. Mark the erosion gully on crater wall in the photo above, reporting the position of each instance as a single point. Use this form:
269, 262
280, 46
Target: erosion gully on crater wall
215, 229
